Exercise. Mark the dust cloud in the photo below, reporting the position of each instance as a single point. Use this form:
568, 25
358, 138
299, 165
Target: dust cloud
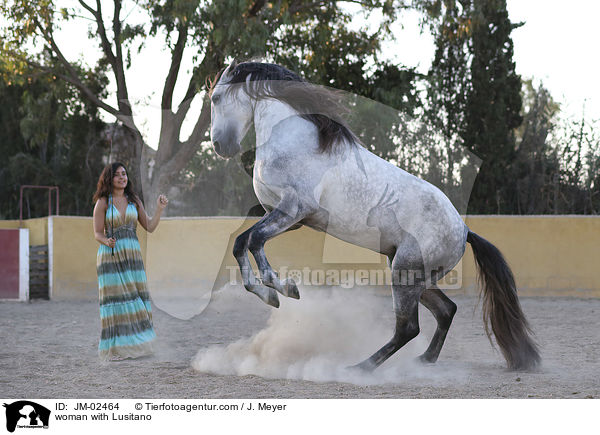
318, 337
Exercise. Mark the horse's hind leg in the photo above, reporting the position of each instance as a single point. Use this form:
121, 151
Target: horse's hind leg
407, 285
443, 309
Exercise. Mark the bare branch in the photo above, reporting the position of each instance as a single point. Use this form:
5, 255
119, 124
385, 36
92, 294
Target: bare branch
200, 127
88, 8
209, 63
171, 123
185, 104
122, 93
124, 113
170, 148
74, 80
167, 98
186, 149
105, 43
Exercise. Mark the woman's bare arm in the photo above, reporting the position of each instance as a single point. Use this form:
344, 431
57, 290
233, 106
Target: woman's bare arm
142, 216
99, 214
150, 223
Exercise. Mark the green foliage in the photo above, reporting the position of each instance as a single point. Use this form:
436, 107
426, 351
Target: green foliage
449, 77
449, 83
493, 107
48, 137
474, 94
312, 38
533, 162
557, 163
574, 158
51, 132
534, 165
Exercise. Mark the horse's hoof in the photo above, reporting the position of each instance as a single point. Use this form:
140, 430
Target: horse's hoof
364, 367
291, 289
267, 295
272, 299
423, 359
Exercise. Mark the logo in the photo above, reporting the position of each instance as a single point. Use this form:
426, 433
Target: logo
26, 414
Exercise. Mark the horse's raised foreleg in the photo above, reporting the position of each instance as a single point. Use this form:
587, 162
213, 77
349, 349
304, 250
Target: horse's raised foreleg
240, 252
277, 225
443, 309
408, 283
274, 223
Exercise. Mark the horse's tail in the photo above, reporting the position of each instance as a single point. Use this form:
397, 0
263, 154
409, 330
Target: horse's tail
501, 308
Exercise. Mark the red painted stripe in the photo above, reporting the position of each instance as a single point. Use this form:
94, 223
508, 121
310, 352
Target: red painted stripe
9, 264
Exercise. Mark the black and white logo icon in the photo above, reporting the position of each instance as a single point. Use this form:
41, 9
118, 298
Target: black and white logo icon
26, 414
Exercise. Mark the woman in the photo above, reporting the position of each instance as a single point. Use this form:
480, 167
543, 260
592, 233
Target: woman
125, 311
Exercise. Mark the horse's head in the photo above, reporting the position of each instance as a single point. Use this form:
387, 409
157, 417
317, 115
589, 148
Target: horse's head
231, 114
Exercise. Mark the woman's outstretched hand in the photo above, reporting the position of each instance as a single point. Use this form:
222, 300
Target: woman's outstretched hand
162, 202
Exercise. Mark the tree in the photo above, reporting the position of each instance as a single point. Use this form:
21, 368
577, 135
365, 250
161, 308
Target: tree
449, 83
48, 136
493, 107
575, 154
449, 77
534, 166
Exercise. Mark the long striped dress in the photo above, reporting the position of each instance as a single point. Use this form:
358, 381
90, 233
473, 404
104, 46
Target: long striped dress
125, 311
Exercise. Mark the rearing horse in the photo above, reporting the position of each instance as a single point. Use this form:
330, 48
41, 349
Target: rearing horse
310, 169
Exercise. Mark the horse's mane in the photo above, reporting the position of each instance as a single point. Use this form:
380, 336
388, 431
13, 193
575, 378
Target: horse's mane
316, 104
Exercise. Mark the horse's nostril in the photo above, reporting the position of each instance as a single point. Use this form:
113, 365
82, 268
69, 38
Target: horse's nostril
216, 144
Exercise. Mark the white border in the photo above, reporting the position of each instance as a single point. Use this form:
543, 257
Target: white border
50, 255
313, 416
23, 264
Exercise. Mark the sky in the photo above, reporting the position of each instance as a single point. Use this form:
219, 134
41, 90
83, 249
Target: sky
557, 45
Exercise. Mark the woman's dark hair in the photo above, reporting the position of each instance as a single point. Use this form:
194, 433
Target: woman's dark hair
105, 187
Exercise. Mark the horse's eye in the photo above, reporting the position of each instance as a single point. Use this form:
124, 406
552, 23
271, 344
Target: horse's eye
216, 98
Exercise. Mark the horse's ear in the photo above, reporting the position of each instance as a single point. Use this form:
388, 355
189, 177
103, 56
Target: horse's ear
228, 69
231, 67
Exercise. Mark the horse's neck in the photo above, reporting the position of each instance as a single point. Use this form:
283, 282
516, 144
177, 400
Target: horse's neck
267, 114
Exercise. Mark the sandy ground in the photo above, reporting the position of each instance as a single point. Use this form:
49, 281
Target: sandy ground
240, 348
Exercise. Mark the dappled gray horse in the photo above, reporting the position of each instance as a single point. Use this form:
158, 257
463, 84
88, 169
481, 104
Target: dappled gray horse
310, 169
